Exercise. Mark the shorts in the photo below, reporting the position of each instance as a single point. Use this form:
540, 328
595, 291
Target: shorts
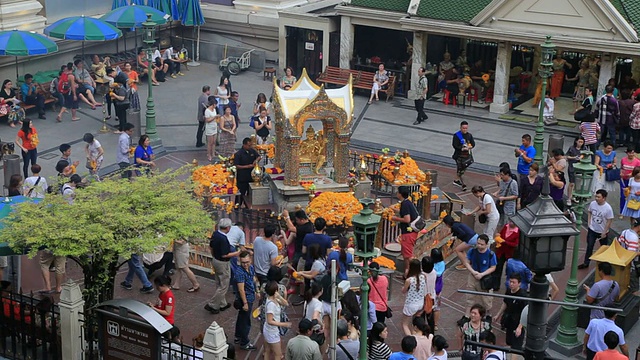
412, 309
408, 243
47, 258
69, 103
271, 337
326, 308
3, 262
473, 241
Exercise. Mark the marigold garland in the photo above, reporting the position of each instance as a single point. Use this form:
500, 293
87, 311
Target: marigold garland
385, 262
335, 208
409, 173
269, 149
213, 180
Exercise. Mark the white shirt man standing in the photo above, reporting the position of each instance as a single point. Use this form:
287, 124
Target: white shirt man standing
124, 145
600, 218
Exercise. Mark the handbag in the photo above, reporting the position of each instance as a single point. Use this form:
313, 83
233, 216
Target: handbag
581, 114
428, 304
237, 304
388, 314
633, 204
252, 122
283, 318
486, 282
612, 174
500, 204
418, 223
482, 218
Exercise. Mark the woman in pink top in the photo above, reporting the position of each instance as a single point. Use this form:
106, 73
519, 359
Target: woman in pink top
378, 293
589, 129
627, 165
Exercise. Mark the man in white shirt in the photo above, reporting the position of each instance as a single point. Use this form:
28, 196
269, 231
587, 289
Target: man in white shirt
629, 240
124, 144
169, 57
600, 218
35, 186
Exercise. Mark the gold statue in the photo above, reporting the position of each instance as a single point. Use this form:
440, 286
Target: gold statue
313, 149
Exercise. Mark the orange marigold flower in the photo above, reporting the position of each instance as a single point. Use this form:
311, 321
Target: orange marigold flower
335, 208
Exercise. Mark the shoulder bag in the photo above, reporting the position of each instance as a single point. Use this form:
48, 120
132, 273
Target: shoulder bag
34, 186
500, 204
486, 282
418, 223
388, 313
345, 351
483, 217
612, 174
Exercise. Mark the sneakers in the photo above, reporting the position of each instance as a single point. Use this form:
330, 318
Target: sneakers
180, 73
248, 347
211, 309
173, 76
126, 286
458, 183
146, 289
583, 266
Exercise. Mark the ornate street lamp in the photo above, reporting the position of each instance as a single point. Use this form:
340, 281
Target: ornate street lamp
544, 233
567, 336
545, 70
365, 227
149, 39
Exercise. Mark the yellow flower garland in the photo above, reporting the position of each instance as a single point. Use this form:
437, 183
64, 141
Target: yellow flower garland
335, 208
409, 173
214, 178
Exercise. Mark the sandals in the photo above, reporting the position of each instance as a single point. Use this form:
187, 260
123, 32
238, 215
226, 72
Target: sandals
75, 119
58, 118
193, 289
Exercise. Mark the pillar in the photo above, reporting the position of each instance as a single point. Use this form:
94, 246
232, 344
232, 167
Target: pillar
500, 103
346, 42
21, 15
71, 307
292, 162
419, 56
341, 162
215, 343
280, 143
607, 71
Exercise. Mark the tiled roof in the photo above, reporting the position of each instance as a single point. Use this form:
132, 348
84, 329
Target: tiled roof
630, 10
452, 10
389, 5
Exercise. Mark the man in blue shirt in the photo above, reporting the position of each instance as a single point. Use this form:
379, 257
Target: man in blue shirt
408, 346
480, 262
525, 154
246, 280
235, 106
316, 237
595, 332
30, 95
515, 266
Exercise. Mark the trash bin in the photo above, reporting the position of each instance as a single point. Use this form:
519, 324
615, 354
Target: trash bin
556, 141
133, 116
11, 164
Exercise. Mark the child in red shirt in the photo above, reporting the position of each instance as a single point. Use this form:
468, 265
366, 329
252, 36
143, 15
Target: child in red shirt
165, 305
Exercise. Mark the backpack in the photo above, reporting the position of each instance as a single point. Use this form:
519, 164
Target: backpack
63, 84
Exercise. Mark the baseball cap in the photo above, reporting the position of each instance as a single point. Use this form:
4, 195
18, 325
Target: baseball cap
636, 222
305, 325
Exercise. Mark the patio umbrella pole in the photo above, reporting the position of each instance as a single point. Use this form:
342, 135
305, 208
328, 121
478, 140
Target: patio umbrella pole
195, 56
17, 76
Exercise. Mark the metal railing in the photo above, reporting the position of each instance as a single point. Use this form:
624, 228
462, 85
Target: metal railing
89, 336
29, 327
178, 351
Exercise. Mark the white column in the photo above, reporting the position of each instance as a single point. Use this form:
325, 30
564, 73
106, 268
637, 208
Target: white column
71, 307
215, 343
419, 55
325, 47
500, 103
346, 42
21, 15
607, 71
282, 45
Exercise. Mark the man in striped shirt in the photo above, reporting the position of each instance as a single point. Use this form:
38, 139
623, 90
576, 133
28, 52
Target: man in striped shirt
629, 240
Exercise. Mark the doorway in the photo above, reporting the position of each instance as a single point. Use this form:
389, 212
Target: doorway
304, 50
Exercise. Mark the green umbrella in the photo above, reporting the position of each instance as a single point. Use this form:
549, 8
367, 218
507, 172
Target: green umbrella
24, 43
133, 16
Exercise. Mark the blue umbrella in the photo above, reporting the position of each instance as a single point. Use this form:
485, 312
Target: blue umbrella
173, 8
191, 13
132, 16
154, 4
82, 28
118, 3
24, 43
137, 2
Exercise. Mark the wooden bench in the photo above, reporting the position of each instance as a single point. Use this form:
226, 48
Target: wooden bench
337, 76
44, 91
181, 61
361, 79
365, 81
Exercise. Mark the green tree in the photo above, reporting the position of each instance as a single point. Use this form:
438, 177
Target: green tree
107, 222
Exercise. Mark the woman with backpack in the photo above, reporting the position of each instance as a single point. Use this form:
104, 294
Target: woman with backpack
271, 329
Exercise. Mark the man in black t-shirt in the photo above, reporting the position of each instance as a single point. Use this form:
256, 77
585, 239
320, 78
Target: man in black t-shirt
408, 213
510, 311
244, 161
297, 232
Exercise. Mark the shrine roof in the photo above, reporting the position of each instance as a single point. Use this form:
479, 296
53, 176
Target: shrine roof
451, 10
630, 10
388, 5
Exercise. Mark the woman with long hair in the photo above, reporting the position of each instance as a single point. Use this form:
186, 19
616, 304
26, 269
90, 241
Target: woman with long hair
270, 331
378, 293
438, 266
530, 187
318, 265
288, 79
424, 338
431, 276
27, 140
342, 257
378, 350
211, 126
227, 126
15, 185
634, 194
415, 287
222, 94
261, 102
573, 156
8, 97
263, 126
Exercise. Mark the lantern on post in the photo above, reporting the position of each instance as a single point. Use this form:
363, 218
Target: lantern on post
544, 233
365, 227
149, 39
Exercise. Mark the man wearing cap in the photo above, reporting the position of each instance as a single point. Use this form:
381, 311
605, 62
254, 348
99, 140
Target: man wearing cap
302, 347
629, 240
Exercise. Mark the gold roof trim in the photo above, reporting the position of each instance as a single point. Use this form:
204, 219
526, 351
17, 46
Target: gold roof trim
614, 254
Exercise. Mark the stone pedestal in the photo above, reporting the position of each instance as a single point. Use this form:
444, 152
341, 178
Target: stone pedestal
287, 197
21, 15
259, 194
419, 54
71, 307
215, 343
500, 103
346, 42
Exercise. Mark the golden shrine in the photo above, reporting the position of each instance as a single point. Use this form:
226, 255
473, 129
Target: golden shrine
327, 148
620, 258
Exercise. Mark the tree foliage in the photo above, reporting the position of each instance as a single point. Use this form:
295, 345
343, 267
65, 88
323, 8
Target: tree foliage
109, 220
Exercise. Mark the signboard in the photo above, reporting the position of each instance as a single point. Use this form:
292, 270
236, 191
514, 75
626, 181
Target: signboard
126, 338
309, 46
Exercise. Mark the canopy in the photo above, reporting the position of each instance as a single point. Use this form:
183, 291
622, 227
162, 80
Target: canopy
6, 207
191, 13
82, 28
132, 16
25, 43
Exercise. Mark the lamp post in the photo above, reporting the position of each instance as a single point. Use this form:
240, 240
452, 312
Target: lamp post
545, 70
149, 39
365, 227
567, 335
544, 233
